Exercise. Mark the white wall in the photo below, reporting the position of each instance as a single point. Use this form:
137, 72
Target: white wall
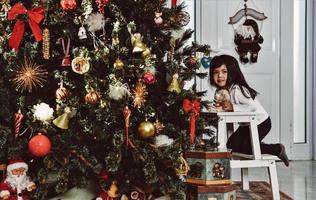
312, 56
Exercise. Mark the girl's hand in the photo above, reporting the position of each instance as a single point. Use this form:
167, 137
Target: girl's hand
227, 106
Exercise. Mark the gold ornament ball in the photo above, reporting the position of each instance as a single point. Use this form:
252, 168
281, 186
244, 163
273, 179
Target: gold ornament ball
146, 129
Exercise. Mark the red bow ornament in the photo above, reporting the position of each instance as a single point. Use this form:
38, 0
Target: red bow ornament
35, 16
194, 108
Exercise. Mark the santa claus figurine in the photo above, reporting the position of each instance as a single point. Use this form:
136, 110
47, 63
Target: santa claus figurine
247, 39
17, 184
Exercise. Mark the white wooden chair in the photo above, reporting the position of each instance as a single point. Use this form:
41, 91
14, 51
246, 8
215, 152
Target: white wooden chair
245, 161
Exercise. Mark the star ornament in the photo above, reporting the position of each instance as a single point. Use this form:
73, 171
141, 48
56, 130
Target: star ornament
30, 76
139, 94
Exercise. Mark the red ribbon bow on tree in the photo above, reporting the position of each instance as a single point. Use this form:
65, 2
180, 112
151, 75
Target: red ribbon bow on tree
35, 16
194, 108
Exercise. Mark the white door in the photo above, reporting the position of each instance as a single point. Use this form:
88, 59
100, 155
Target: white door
212, 28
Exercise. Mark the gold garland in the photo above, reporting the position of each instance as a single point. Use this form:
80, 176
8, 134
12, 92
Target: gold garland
46, 40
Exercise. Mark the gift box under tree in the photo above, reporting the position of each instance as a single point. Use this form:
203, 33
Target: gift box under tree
211, 192
209, 167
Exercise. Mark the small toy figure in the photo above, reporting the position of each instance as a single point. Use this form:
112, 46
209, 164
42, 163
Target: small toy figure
247, 39
17, 184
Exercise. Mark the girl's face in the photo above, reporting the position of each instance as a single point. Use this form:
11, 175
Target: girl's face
220, 76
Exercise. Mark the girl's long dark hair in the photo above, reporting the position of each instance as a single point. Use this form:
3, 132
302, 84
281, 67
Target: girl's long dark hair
234, 76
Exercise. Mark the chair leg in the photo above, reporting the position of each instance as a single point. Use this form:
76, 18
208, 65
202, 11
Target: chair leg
274, 180
245, 178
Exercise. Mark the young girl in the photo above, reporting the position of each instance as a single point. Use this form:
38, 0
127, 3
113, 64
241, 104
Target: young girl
226, 74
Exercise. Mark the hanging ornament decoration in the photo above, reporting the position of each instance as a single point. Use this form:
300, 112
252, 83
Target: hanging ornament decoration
46, 43
118, 90
247, 35
139, 94
39, 145
101, 4
140, 194
183, 168
118, 64
113, 192
158, 19
163, 140
34, 17
68, 5
149, 78
18, 117
66, 60
146, 129
95, 22
43, 112
137, 43
80, 64
159, 126
174, 84
173, 3
194, 108
92, 97
82, 33
63, 120
191, 61
29, 76
62, 92
127, 115
248, 40
206, 60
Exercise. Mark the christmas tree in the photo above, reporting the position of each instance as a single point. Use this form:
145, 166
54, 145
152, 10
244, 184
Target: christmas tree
92, 90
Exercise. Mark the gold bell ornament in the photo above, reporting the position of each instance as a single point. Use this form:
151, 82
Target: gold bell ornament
113, 191
63, 120
174, 85
138, 45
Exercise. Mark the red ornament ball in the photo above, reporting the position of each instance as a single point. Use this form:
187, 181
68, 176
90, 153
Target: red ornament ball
39, 145
149, 78
68, 5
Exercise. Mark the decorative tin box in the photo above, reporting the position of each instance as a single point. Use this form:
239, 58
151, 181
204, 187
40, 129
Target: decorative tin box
211, 192
209, 167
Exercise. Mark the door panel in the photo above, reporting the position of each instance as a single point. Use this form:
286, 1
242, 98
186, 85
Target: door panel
213, 28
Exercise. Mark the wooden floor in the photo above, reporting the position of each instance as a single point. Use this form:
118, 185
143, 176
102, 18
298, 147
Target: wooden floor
298, 180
